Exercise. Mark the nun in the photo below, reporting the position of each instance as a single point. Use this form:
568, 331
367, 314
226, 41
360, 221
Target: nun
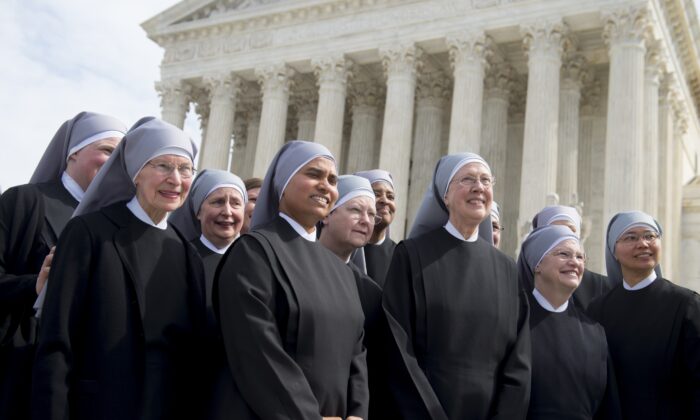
496, 225
252, 186
457, 313
593, 285
32, 217
652, 325
571, 372
124, 307
290, 315
349, 227
374, 258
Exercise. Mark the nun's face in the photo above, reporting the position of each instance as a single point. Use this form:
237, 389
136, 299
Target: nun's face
469, 204
637, 255
159, 192
496, 227
311, 193
84, 164
221, 216
386, 207
249, 207
351, 224
562, 268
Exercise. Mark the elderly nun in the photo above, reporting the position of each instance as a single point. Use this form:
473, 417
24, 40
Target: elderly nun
458, 316
32, 217
652, 325
125, 304
571, 372
374, 258
496, 224
593, 285
289, 309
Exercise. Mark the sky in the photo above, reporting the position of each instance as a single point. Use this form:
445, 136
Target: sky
62, 57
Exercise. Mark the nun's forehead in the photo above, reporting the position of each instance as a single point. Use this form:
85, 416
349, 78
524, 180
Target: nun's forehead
384, 182
474, 166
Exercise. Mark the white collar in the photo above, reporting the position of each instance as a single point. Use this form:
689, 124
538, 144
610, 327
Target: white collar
140, 214
73, 188
544, 303
311, 237
213, 247
642, 284
454, 232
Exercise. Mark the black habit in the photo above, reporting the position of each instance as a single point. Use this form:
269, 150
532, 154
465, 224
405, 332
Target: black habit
32, 217
122, 323
593, 286
459, 320
378, 258
571, 372
292, 325
654, 339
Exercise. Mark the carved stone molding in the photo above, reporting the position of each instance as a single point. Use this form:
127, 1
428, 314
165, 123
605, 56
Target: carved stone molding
466, 47
627, 25
222, 88
173, 93
546, 38
655, 62
275, 78
401, 59
333, 69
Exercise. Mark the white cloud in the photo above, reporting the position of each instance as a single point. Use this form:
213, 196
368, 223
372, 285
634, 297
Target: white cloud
60, 58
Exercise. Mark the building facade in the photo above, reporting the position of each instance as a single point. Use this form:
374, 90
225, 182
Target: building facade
592, 103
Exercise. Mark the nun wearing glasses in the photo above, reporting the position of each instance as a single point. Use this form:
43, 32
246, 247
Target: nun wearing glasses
32, 217
652, 325
572, 376
457, 313
125, 306
289, 309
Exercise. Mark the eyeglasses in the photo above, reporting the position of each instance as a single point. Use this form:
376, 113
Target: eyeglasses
470, 181
166, 169
497, 228
356, 214
568, 255
632, 238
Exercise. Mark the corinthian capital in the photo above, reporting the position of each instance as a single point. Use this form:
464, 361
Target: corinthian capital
626, 25
432, 86
574, 72
222, 87
654, 62
546, 37
275, 78
173, 92
469, 47
401, 59
334, 69
498, 79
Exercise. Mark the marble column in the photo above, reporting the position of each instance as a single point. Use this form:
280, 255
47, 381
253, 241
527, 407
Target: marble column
332, 74
676, 209
275, 81
239, 144
400, 64
664, 211
650, 159
511, 236
430, 105
572, 75
468, 56
544, 45
306, 104
624, 33
365, 98
252, 112
223, 89
495, 124
174, 101
202, 109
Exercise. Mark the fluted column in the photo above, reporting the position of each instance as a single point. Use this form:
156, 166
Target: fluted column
239, 144
400, 65
511, 237
275, 81
674, 238
650, 191
174, 101
495, 124
573, 72
665, 158
468, 56
544, 45
223, 89
365, 97
201, 108
625, 35
332, 74
430, 107
306, 104
252, 129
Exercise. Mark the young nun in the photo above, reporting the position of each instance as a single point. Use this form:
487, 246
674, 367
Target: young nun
289, 309
593, 284
252, 186
374, 258
458, 315
32, 217
348, 227
571, 372
124, 306
652, 325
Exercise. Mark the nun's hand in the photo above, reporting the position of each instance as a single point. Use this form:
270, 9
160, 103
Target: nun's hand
44, 272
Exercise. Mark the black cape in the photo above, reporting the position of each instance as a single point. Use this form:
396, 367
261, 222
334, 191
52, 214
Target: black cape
571, 371
654, 340
378, 258
121, 326
292, 325
459, 321
32, 216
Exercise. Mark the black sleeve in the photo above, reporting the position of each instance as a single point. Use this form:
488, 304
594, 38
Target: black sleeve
691, 353
610, 408
358, 392
271, 382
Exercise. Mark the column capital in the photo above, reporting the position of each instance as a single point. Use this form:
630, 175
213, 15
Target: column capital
655, 64
518, 96
332, 69
173, 92
366, 93
668, 89
275, 78
498, 79
680, 116
305, 102
432, 87
239, 132
547, 38
222, 87
574, 72
251, 109
202, 107
401, 59
469, 47
626, 25
591, 95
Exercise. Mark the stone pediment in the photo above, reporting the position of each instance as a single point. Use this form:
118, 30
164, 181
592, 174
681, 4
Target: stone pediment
220, 7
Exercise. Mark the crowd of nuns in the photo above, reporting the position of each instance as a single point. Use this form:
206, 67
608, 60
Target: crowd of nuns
133, 287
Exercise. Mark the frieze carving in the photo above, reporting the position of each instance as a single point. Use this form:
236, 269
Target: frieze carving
223, 6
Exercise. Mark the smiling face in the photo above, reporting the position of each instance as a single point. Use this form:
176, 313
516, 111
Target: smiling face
349, 226
159, 194
84, 164
637, 258
386, 206
561, 269
469, 205
311, 193
221, 216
